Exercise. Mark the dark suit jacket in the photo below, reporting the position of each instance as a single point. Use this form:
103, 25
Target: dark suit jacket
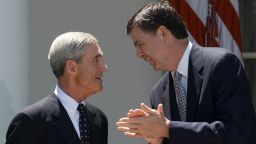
47, 122
219, 105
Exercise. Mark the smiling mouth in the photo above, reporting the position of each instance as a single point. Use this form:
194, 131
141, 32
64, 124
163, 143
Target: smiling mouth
99, 78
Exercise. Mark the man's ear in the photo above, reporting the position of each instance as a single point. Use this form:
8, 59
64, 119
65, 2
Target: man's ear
70, 67
162, 32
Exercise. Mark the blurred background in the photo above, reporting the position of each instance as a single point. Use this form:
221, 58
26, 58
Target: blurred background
28, 27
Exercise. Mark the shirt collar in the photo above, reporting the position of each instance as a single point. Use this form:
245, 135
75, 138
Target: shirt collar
67, 101
183, 64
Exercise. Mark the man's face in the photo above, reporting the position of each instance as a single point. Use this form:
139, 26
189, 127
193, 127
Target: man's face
90, 69
150, 47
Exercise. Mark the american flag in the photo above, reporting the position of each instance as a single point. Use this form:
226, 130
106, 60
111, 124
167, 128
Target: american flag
212, 22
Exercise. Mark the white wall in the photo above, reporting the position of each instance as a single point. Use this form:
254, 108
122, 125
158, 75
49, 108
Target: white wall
128, 81
14, 86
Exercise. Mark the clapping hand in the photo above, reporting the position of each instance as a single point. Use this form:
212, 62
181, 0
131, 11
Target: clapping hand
146, 123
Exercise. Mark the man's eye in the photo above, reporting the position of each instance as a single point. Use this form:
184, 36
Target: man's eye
140, 45
97, 60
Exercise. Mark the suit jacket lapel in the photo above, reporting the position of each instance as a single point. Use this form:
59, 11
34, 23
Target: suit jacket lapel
62, 122
166, 101
169, 101
195, 79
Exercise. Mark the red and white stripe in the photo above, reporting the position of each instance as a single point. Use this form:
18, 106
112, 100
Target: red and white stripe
194, 13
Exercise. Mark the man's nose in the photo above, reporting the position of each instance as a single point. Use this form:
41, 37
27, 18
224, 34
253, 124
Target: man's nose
104, 67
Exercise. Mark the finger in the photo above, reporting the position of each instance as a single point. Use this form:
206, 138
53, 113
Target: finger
146, 108
137, 131
160, 109
123, 129
140, 112
136, 135
128, 125
132, 120
127, 119
131, 110
136, 113
129, 130
131, 115
124, 119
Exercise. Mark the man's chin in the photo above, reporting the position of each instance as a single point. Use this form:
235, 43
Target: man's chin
100, 88
156, 68
97, 89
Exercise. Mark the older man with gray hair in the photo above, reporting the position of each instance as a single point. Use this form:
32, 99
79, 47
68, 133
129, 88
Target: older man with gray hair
64, 116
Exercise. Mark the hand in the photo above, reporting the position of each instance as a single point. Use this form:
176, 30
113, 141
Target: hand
150, 123
140, 113
154, 140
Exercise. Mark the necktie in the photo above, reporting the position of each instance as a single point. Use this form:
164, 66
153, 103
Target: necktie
180, 96
83, 124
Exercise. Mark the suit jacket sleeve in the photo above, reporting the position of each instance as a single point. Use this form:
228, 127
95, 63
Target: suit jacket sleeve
21, 130
234, 121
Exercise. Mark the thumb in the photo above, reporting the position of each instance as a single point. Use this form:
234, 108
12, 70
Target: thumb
160, 109
146, 109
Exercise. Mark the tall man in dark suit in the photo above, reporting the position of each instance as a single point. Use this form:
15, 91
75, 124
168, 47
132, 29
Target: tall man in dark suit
203, 98
64, 116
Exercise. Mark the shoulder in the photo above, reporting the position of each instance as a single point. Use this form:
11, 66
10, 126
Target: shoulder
216, 54
27, 121
210, 53
41, 107
210, 57
20, 127
220, 58
43, 110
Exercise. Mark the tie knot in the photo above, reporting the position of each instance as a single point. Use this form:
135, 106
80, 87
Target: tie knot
177, 76
81, 108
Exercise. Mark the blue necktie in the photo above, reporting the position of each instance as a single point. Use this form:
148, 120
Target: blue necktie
83, 125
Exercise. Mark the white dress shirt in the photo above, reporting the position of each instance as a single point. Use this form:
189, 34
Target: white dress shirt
183, 66
70, 105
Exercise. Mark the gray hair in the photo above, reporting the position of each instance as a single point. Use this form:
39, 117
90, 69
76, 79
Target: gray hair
68, 46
